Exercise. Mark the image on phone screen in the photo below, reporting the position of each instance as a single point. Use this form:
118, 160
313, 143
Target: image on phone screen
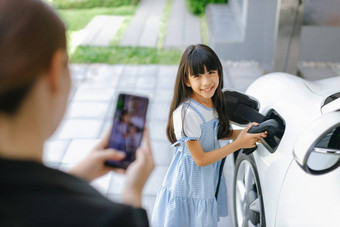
128, 126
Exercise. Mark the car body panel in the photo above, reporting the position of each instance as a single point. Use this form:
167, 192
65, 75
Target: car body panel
299, 103
309, 200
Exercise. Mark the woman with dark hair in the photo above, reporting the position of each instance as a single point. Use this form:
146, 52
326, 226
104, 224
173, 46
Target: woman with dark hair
34, 88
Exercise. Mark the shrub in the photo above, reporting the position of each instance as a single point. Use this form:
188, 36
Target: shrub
197, 7
86, 4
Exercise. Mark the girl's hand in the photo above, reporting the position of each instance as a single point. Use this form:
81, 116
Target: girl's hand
93, 165
138, 172
249, 140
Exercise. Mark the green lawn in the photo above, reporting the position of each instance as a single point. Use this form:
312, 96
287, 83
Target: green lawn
125, 55
77, 19
87, 4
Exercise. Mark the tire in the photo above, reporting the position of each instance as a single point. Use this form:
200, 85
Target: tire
247, 193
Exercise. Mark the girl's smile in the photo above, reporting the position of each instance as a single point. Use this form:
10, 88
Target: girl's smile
209, 89
203, 86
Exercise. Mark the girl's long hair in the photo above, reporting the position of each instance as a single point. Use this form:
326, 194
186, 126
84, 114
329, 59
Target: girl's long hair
193, 60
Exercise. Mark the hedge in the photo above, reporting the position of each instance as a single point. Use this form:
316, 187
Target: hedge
86, 4
197, 7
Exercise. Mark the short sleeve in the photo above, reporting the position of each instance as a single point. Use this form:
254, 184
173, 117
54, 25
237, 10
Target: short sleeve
192, 123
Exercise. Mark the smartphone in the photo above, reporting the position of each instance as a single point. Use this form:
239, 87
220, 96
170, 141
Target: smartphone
128, 126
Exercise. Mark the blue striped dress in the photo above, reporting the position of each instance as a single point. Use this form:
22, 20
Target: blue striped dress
187, 195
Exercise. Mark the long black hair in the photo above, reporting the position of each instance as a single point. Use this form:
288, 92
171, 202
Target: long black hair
193, 60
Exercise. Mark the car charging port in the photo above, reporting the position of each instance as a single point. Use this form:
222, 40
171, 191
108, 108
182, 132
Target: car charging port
275, 127
273, 139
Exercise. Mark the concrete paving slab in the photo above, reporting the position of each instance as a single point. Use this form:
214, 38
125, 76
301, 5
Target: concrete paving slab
53, 165
54, 150
79, 129
143, 29
101, 76
99, 31
148, 92
146, 82
128, 77
192, 31
155, 180
157, 130
149, 36
183, 28
115, 198
116, 184
135, 28
128, 81
161, 152
163, 95
78, 149
159, 111
222, 25
166, 77
107, 127
102, 183
85, 93
147, 71
78, 73
65, 167
87, 110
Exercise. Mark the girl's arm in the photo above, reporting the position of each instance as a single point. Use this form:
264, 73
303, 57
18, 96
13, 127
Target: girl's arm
233, 136
243, 140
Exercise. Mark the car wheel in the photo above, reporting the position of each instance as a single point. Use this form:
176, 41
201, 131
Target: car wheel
248, 200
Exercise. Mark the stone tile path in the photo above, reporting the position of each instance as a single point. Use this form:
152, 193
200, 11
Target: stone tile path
143, 29
184, 28
99, 32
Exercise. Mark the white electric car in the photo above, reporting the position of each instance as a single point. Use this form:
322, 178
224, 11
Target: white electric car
292, 178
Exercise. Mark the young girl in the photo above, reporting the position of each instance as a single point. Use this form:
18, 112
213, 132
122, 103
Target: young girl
197, 119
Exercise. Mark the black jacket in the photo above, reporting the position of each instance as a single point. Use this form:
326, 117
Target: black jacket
34, 195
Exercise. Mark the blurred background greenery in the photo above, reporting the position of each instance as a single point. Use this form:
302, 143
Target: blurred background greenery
197, 7
88, 4
78, 13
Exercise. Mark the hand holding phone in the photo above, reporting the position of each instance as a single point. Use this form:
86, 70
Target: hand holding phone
128, 126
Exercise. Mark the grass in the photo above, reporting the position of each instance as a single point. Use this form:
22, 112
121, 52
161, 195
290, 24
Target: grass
204, 29
164, 24
88, 4
77, 19
197, 7
125, 55
120, 33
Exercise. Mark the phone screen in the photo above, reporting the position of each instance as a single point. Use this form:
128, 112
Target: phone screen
128, 127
